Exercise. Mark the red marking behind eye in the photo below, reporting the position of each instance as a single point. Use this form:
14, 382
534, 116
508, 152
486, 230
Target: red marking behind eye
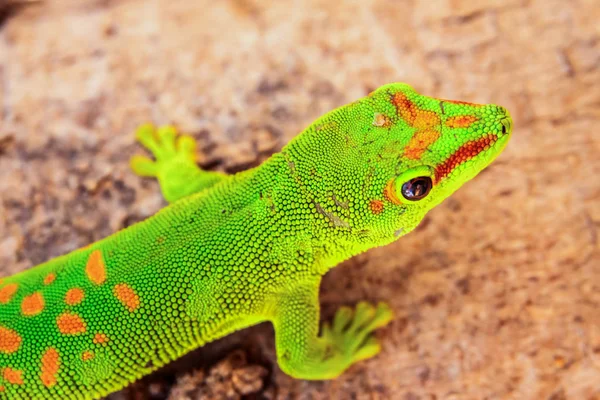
466, 152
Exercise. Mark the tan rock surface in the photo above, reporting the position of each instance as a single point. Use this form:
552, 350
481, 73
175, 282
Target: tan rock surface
497, 294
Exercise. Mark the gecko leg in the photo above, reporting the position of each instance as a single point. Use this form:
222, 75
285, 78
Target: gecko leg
304, 354
175, 166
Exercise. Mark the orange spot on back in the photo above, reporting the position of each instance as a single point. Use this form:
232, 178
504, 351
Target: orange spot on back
100, 338
50, 366
376, 206
126, 295
87, 355
420, 141
49, 278
13, 376
389, 192
9, 340
32, 304
74, 296
461, 121
95, 268
70, 324
7, 292
2, 388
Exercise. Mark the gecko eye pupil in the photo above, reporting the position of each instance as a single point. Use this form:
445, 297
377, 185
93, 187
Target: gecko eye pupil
417, 188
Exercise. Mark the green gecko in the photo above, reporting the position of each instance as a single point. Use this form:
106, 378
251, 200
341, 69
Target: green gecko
231, 251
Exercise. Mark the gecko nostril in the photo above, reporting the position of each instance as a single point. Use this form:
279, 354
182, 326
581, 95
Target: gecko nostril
506, 122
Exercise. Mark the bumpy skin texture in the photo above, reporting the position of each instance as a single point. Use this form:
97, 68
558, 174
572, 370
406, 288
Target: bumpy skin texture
232, 251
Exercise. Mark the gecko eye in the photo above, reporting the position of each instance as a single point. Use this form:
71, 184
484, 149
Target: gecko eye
417, 188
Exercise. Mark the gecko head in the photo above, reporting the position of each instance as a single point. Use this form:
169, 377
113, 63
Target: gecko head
373, 169
417, 150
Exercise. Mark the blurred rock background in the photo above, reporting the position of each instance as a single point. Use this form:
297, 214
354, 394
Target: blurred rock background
497, 294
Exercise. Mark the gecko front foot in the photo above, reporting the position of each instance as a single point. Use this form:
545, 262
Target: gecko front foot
350, 335
169, 150
175, 166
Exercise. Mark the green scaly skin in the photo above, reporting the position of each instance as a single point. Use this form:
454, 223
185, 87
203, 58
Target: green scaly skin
233, 251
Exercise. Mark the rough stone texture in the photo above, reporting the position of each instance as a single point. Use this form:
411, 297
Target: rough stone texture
231, 378
496, 294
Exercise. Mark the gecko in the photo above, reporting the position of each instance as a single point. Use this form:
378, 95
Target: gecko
231, 251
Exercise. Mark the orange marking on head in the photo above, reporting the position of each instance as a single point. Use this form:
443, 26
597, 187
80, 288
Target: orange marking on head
95, 268
413, 115
13, 376
389, 192
50, 366
74, 296
126, 295
49, 278
10, 341
466, 152
2, 388
376, 206
420, 141
100, 338
70, 324
426, 122
7, 292
461, 121
32, 304
87, 355
405, 108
